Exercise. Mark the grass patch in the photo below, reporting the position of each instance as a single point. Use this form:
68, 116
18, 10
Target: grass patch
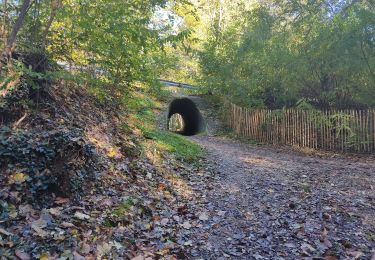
181, 147
124, 207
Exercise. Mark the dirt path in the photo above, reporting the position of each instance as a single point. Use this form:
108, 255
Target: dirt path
266, 203
259, 202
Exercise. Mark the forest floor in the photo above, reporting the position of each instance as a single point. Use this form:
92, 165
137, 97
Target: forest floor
263, 202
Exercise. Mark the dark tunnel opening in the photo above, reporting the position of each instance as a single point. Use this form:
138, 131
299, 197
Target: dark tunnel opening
193, 122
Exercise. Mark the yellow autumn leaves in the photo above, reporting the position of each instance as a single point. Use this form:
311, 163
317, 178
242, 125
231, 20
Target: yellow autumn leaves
17, 178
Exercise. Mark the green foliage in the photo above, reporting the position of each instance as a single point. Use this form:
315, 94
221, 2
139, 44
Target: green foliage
303, 104
32, 160
259, 54
103, 44
7, 79
276, 53
141, 108
29, 76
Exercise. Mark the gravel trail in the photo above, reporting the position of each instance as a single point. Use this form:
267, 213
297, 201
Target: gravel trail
274, 203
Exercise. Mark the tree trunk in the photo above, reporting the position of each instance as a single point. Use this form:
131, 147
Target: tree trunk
5, 21
55, 5
16, 27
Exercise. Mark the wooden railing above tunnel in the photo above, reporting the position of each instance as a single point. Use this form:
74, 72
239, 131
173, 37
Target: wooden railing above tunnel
334, 130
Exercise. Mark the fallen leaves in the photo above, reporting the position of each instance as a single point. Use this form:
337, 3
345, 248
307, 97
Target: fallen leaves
221, 213
22, 255
164, 221
251, 214
103, 249
186, 225
55, 211
77, 256
354, 254
307, 249
67, 225
81, 216
41, 223
44, 256
60, 200
4, 232
203, 216
85, 248
25, 209
39, 231
330, 257
17, 177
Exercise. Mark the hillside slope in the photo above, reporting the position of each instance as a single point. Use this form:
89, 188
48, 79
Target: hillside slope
77, 180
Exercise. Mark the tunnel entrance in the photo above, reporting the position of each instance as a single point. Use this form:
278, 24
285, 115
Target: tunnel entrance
184, 117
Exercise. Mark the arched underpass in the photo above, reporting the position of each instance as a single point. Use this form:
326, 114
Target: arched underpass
193, 122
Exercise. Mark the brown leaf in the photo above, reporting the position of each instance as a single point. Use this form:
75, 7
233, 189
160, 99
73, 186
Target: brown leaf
182, 210
330, 257
324, 234
307, 249
40, 232
77, 256
40, 223
23, 210
22, 255
60, 200
161, 187
355, 254
107, 202
221, 213
203, 216
81, 216
4, 232
67, 225
85, 248
54, 211
87, 233
186, 225
103, 249
326, 216
164, 221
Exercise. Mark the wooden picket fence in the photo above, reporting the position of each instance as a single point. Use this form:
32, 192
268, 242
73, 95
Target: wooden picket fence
334, 130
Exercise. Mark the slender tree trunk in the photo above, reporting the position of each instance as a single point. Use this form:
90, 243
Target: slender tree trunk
55, 5
5, 22
13, 34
